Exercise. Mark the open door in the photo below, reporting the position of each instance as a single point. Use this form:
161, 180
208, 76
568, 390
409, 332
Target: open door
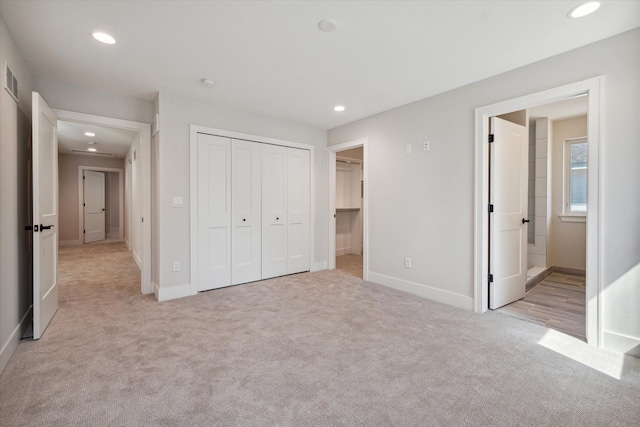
94, 209
507, 223
45, 215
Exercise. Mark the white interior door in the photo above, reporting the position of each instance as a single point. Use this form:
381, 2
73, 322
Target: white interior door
45, 215
297, 210
507, 227
94, 206
274, 211
246, 211
214, 212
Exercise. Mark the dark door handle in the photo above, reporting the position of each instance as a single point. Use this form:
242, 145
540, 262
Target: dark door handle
524, 220
244, 219
45, 227
28, 228
103, 209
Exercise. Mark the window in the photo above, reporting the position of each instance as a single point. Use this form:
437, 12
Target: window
575, 177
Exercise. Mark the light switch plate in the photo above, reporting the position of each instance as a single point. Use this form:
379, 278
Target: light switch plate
178, 202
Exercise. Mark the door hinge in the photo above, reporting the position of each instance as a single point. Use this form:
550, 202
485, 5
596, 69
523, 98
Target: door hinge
490, 138
490, 208
490, 278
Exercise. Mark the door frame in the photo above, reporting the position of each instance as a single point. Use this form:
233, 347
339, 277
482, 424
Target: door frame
120, 172
144, 131
593, 88
194, 130
332, 157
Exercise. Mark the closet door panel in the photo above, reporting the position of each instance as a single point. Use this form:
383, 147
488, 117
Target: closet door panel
297, 210
246, 212
214, 212
274, 211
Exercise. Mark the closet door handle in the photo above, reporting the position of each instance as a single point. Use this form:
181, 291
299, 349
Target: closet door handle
524, 220
244, 219
277, 218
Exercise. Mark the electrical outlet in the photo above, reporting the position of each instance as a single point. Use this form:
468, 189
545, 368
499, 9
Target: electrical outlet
407, 149
176, 265
407, 262
426, 145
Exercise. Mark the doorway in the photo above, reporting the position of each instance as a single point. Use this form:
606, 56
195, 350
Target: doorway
114, 206
134, 184
555, 234
348, 208
592, 88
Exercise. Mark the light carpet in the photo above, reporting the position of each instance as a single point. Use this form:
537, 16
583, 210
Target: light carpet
311, 349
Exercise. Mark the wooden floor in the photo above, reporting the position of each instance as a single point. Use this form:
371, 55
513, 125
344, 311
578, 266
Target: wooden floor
350, 264
558, 302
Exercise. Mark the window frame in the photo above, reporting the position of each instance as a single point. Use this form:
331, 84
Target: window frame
567, 213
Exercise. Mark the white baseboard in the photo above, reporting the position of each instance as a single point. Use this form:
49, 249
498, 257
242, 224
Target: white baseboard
424, 291
173, 292
343, 251
10, 345
137, 259
621, 343
67, 243
317, 266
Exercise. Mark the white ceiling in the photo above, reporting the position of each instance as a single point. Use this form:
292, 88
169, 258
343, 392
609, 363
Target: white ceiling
109, 142
270, 58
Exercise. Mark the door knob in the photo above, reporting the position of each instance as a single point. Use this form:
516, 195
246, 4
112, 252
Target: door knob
277, 218
524, 220
45, 227
244, 219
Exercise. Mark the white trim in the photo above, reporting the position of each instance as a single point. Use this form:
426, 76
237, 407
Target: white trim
439, 295
332, 151
144, 131
572, 218
566, 175
120, 172
593, 88
621, 343
194, 130
318, 266
10, 345
172, 292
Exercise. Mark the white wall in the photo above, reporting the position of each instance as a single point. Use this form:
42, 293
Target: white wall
567, 240
68, 192
176, 114
422, 205
15, 242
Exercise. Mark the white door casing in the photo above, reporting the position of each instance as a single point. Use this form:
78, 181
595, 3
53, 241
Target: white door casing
508, 197
246, 236
94, 206
45, 215
214, 212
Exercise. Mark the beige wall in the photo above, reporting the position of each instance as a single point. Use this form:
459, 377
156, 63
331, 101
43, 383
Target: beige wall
15, 242
422, 205
567, 242
68, 190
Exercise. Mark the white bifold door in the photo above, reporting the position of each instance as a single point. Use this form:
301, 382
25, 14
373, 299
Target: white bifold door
94, 206
253, 211
285, 211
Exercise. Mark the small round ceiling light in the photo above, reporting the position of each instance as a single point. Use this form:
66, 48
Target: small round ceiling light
208, 83
338, 108
93, 150
584, 9
104, 37
327, 25
89, 134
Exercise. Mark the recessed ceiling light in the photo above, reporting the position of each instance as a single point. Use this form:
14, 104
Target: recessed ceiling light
338, 108
584, 9
208, 83
89, 134
327, 25
93, 150
104, 37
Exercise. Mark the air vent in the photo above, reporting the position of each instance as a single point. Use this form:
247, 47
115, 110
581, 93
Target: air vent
91, 153
10, 82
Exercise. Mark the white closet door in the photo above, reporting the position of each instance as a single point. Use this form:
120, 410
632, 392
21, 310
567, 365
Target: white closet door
214, 212
298, 210
274, 211
246, 211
